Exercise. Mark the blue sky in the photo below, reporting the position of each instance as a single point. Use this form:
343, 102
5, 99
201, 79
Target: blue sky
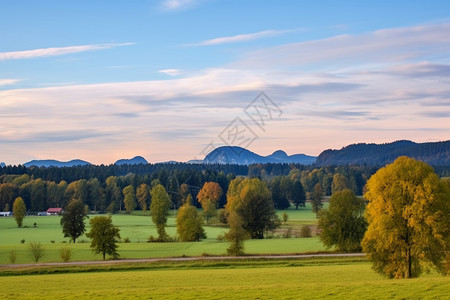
103, 80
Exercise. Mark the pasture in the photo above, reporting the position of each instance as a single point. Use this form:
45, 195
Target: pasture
137, 228
289, 279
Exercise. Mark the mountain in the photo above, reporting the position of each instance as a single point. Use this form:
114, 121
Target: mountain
241, 156
137, 160
55, 163
437, 153
2, 164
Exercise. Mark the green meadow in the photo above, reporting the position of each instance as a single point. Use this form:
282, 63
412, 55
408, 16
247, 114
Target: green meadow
137, 228
291, 279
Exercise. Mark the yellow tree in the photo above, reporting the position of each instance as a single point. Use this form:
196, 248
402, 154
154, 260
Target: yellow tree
408, 217
208, 197
19, 210
189, 223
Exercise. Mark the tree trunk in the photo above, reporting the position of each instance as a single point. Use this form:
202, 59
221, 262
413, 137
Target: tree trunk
104, 255
408, 261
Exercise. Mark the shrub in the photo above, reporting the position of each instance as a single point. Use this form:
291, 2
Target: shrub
12, 256
126, 240
288, 233
22, 241
305, 231
36, 251
65, 253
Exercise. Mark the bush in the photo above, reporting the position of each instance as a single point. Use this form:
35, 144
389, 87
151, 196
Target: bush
52, 241
221, 237
22, 241
222, 216
305, 231
65, 253
12, 256
288, 233
36, 251
126, 240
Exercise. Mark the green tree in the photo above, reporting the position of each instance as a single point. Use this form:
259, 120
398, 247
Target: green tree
298, 194
189, 223
19, 210
129, 198
340, 183
36, 251
408, 216
285, 217
72, 221
343, 224
104, 236
209, 197
143, 196
236, 235
316, 199
159, 209
252, 201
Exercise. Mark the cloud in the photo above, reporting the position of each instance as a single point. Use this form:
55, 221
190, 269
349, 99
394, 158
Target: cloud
8, 81
239, 38
170, 72
178, 4
46, 52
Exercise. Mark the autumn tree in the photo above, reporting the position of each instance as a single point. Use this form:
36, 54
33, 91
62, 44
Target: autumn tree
408, 216
159, 210
129, 198
189, 223
316, 198
343, 224
252, 201
72, 221
143, 196
340, 183
104, 236
19, 210
208, 197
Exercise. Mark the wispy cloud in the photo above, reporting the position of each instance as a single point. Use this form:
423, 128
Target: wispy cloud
239, 38
46, 52
178, 4
8, 81
170, 72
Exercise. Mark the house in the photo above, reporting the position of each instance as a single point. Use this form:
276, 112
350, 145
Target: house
53, 211
5, 213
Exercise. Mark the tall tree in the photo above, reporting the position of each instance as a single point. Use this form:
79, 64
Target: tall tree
252, 201
236, 235
409, 216
72, 221
340, 183
299, 196
19, 210
316, 198
159, 209
129, 198
143, 196
104, 236
209, 197
343, 224
189, 223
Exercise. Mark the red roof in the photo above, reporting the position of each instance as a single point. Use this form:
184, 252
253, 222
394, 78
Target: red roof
53, 210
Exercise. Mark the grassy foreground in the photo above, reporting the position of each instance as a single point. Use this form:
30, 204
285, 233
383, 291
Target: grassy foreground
297, 279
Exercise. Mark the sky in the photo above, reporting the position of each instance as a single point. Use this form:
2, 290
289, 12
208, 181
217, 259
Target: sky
175, 79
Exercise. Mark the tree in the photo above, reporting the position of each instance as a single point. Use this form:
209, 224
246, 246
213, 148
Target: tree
408, 216
316, 199
252, 201
285, 217
208, 197
236, 235
72, 221
159, 209
280, 188
189, 223
130, 198
298, 194
340, 183
143, 196
104, 236
19, 210
36, 251
343, 224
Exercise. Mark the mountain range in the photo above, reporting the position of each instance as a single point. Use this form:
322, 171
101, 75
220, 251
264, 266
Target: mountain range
137, 160
242, 156
56, 163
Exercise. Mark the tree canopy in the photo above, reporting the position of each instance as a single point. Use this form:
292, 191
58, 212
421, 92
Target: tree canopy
72, 221
408, 216
189, 223
104, 236
343, 224
159, 209
209, 197
19, 210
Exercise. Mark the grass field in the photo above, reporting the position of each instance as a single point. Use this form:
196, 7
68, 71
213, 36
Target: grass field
295, 279
138, 228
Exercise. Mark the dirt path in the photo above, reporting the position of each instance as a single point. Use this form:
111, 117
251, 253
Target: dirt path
145, 260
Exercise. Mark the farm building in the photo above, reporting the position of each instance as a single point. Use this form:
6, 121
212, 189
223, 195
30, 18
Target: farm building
53, 211
5, 213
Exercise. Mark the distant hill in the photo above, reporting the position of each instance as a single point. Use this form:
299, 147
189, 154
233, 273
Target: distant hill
241, 156
137, 160
437, 153
56, 163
